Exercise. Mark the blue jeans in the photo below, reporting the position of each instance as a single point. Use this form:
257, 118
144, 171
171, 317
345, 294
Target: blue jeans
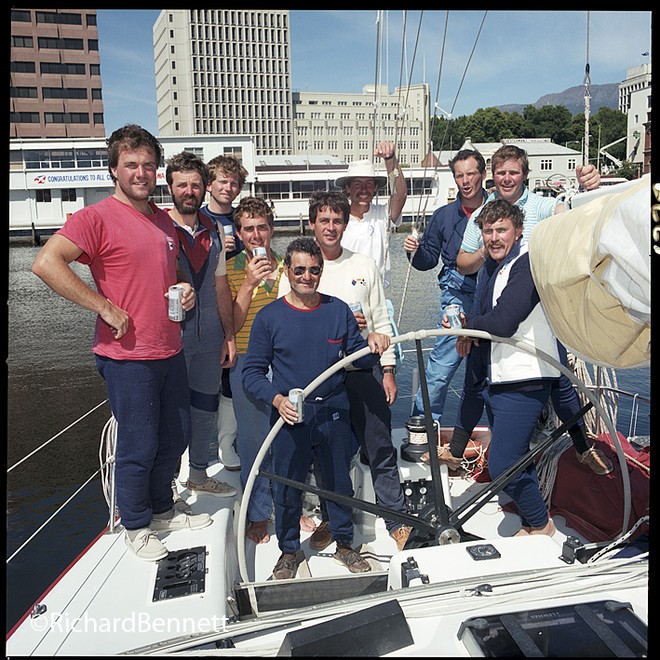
324, 438
443, 359
514, 413
253, 425
150, 401
204, 374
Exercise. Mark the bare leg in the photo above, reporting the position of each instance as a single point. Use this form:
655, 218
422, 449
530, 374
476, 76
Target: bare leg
258, 532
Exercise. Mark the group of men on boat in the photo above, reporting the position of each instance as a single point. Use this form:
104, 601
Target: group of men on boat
258, 324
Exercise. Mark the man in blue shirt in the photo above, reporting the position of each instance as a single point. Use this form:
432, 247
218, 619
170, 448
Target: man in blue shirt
441, 241
299, 336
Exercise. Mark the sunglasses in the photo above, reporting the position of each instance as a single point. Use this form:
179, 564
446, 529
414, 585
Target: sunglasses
300, 270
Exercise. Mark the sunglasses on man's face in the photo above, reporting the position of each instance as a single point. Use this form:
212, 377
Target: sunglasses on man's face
300, 270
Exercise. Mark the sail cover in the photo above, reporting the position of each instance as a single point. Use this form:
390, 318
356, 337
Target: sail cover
591, 266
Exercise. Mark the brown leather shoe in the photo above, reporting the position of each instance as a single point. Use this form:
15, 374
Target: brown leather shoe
400, 535
596, 460
286, 567
444, 456
351, 559
320, 539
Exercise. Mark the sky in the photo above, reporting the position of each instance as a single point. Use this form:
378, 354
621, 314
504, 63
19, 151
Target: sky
479, 58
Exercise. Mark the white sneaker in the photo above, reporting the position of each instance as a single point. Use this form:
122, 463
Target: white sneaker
145, 545
180, 520
213, 487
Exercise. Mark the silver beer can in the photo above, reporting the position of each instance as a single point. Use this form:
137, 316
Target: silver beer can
175, 310
454, 316
297, 399
356, 307
260, 252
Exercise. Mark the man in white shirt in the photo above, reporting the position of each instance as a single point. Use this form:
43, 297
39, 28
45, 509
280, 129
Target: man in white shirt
369, 222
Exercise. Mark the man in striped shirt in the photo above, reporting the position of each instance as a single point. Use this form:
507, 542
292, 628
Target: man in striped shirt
253, 281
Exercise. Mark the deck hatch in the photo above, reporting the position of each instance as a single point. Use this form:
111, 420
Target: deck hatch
181, 573
588, 630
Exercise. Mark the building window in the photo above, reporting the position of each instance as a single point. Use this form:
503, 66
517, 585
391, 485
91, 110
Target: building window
20, 16
546, 164
60, 18
24, 117
69, 195
43, 196
66, 117
60, 43
62, 68
23, 92
22, 67
64, 93
22, 42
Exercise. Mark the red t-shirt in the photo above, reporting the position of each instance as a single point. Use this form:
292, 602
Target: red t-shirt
132, 258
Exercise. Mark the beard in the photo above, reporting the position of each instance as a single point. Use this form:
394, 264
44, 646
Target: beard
187, 205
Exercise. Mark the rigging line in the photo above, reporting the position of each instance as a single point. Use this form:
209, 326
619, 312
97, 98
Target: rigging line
51, 517
587, 98
476, 41
421, 212
89, 412
377, 75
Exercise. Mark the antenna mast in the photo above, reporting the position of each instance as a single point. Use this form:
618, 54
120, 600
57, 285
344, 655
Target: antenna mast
587, 101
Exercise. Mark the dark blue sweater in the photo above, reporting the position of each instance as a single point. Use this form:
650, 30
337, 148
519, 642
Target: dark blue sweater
299, 345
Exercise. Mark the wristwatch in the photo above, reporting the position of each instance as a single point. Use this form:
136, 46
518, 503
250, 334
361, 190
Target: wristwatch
389, 370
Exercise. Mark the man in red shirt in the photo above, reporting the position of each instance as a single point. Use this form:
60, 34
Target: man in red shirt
131, 249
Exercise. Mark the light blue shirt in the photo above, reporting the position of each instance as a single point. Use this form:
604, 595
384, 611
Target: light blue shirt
536, 208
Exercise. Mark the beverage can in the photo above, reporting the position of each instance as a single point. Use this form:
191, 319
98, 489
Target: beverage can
175, 310
228, 229
356, 307
260, 252
297, 398
453, 316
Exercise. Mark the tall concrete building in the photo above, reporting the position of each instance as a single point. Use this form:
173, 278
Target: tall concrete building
55, 74
225, 72
348, 126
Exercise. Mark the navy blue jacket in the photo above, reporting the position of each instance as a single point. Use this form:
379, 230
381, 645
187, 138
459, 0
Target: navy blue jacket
442, 238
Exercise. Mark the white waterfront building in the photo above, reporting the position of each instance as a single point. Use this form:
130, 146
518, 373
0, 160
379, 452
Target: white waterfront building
49, 179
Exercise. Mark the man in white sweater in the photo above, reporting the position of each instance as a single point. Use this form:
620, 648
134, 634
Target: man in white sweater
354, 278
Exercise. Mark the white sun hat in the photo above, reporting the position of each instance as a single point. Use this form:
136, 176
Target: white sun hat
360, 168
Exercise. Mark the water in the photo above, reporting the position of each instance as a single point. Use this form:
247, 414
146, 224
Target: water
53, 382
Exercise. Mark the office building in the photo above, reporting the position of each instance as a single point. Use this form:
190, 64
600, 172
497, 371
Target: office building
349, 126
225, 72
55, 74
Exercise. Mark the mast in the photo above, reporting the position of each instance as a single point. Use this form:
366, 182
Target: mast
587, 101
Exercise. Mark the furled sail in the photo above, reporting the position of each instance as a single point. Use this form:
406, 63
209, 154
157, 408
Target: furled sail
591, 266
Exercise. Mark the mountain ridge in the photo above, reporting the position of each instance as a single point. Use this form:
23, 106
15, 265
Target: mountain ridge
606, 96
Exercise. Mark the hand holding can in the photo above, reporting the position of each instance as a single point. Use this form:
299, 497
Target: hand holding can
453, 313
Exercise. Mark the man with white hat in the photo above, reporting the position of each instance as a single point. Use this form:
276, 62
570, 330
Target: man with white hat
369, 223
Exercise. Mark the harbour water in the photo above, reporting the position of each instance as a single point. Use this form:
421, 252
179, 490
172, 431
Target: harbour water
53, 383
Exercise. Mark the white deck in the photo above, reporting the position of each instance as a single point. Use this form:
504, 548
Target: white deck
103, 604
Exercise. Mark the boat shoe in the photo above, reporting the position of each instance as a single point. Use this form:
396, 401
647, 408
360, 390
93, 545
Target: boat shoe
145, 544
286, 566
444, 456
351, 559
213, 487
400, 535
173, 520
596, 460
320, 538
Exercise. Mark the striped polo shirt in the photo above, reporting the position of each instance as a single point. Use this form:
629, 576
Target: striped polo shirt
261, 296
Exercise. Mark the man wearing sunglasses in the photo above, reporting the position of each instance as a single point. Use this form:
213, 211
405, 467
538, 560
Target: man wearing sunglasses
299, 336
354, 278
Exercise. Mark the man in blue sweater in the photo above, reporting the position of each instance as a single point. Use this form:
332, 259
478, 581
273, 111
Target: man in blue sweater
441, 241
299, 336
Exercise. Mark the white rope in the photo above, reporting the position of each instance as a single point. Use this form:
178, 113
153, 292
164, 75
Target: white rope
107, 455
57, 435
